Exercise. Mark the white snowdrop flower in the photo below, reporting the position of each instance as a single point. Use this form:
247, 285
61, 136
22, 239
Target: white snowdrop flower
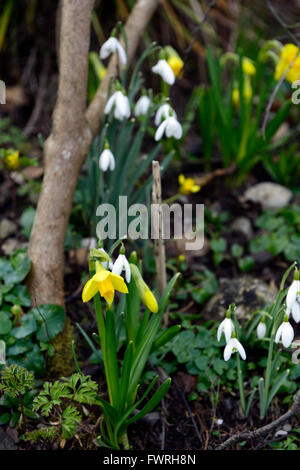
106, 264
220, 421
111, 46
234, 346
261, 329
107, 160
226, 327
121, 264
121, 105
142, 106
164, 112
285, 332
170, 127
163, 69
293, 298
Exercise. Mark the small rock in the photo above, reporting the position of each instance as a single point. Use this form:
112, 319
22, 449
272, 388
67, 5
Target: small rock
6, 442
281, 433
10, 245
269, 195
287, 427
248, 293
243, 225
7, 227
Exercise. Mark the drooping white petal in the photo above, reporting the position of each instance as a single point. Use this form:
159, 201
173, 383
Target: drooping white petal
109, 104
228, 351
287, 334
160, 131
108, 47
163, 69
296, 311
164, 112
174, 128
226, 327
118, 265
261, 330
239, 347
121, 105
278, 333
121, 264
121, 53
292, 293
106, 160
127, 271
111, 46
142, 106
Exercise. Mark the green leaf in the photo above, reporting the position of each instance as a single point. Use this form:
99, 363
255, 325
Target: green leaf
18, 296
26, 220
153, 402
27, 327
5, 323
52, 321
70, 421
20, 347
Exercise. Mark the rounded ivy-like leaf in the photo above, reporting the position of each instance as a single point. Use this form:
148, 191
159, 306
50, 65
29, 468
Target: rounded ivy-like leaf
5, 323
18, 296
51, 319
27, 326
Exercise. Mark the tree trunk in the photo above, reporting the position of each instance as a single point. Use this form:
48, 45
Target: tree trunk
74, 127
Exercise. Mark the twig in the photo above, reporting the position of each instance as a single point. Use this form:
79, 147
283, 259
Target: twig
198, 28
159, 245
293, 411
30, 126
179, 391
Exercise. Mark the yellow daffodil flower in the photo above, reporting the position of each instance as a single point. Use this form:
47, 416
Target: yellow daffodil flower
247, 93
12, 160
187, 185
145, 293
181, 258
105, 282
289, 54
176, 64
150, 300
248, 67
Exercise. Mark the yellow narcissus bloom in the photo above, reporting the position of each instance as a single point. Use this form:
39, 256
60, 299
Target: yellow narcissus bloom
248, 67
187, 185
105, 283
145, 293
288, 55
150, 300
247, 94
176, 64
12, 160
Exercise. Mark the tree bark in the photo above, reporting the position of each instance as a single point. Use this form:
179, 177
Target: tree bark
74, 127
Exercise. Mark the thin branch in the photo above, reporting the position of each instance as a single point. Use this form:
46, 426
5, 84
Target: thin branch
293, 411
199, 26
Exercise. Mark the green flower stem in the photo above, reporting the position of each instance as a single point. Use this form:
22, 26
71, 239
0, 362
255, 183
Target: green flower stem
124, 441
171, 199
241, 384
102, 336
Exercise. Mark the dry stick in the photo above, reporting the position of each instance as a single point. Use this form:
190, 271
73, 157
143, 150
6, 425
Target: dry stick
159, 245
293, 411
